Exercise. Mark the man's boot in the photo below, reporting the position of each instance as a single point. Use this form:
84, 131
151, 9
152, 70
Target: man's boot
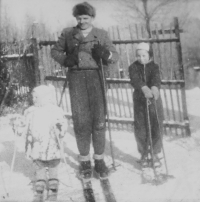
100, 167
85, 167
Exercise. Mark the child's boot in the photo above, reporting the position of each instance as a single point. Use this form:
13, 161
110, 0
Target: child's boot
157, 160
144, 160
52, 189
39, 190
100, 167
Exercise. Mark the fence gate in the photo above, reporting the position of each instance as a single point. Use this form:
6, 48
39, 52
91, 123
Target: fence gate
167, 53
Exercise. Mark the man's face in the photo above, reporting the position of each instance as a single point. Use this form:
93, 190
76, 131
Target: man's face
84, 21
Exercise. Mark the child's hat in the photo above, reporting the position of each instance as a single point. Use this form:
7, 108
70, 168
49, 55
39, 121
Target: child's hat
143, 46
42, 90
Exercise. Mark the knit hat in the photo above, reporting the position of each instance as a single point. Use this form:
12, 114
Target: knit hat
44, 93
143, 46
84, 9
42, 90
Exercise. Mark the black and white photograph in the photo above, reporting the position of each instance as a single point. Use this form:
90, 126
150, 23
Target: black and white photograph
99, 100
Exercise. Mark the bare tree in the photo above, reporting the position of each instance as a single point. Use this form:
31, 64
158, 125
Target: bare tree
147, 10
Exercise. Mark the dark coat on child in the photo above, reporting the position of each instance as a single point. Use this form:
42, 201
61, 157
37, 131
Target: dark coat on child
146, 75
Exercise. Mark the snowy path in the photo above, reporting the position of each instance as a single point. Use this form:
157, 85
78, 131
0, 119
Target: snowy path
182, 156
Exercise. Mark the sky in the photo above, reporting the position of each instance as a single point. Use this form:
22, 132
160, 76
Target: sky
56, 14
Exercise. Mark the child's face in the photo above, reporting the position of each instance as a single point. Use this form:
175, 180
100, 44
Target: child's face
41, 100
35, 98
142, 56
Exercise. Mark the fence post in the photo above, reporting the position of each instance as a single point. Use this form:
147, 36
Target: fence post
35, 61
181, 70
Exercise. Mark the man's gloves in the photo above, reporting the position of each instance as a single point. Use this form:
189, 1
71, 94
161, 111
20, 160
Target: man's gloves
100, 52
71, 60
147, 92
155, 92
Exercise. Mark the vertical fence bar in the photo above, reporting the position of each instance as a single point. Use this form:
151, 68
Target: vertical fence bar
128, 101
113, 100
35, 61
131, 36
165, 55
181, 69
179, 107
121, 52
171, 63
172, 106
159, 51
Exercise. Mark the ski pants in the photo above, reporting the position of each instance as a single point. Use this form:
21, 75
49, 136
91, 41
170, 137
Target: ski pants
142, 125
40, 169
88, 110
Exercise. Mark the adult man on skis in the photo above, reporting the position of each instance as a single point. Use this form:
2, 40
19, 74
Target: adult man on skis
81, 48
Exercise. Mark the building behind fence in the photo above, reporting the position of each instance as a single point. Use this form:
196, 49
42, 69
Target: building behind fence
37, 66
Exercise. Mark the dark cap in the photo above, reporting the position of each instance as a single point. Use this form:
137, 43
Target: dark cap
84, 9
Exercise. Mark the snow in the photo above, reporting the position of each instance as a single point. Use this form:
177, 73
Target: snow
182, 155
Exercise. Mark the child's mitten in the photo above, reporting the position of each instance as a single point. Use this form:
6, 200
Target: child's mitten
155, 92
147, 92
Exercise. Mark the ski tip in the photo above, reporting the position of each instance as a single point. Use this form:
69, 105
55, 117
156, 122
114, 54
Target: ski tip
163, 178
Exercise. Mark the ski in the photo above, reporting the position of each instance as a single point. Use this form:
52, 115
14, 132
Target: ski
154, 177
88, 190
107, 190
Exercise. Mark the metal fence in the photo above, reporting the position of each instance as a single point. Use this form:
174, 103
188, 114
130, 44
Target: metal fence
167, 53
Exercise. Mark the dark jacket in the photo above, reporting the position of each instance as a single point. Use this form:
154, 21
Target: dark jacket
85, 86
141, 75
72, 41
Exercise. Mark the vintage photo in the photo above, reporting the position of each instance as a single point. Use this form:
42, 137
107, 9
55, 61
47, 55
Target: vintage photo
99, 100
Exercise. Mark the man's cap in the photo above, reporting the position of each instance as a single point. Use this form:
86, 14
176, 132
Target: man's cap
84, 9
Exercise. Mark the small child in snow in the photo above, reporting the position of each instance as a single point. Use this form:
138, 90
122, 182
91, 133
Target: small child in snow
145, 79
45, 125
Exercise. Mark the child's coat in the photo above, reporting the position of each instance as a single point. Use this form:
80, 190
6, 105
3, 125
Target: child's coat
141, 75
43, 126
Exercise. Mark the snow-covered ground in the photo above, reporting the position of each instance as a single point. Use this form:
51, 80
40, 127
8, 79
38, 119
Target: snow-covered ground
182, 156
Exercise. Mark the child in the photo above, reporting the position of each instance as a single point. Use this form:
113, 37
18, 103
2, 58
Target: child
44, 126
145, 79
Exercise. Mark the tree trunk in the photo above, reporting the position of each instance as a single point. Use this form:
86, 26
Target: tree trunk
147, 17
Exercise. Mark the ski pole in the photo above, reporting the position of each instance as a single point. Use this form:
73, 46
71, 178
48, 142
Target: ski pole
63, 91
150, 136
4, 185
107, 112
160, 137
63, 156
13, 158
148, 102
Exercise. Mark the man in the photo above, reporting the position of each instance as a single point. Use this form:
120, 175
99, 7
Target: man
80, 49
